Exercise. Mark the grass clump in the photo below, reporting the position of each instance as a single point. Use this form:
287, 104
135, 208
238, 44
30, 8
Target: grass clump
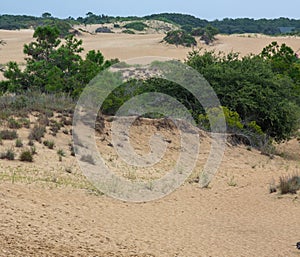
19, 143
14, 124
289, 184
26, 156
8, 134
8, 155
37, 133
49, 144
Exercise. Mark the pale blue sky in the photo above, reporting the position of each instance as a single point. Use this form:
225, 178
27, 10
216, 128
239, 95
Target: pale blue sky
210, 9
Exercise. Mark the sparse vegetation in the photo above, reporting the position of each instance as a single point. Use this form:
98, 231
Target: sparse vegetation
50, 144
18, 143
37, 133
9, 154
8, 134
289, 184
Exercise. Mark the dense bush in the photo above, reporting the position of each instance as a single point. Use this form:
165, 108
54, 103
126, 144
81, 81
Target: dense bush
52, 66
26, 156
139, 26
180, 37
251, 87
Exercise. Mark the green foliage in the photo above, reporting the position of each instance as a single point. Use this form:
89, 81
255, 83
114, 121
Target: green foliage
19, 143
139, 26
26, 156
13, 22
213, 115
8, 155
14, 124
49, 144
61, 153
53, 67
250, 87
128, 31
180, 37
8, 134
209, 33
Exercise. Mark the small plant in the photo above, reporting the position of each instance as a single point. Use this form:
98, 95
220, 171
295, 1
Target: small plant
8, 134
9, 155
33, 150
26, 156
14, 124
25, 122
49, 144
61, 153
72, 149
232, 182
88, 158
43, 120
30, 143
289, 185
19, 143
66, 132
37, 133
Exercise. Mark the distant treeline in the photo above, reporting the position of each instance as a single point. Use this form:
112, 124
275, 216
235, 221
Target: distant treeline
225, 26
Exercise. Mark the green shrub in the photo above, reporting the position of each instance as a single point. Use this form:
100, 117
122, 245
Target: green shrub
128, 31
37, 133
180, 37
139, 26
214, 115
14, 124
49, 144
9, 155
61, 153
8, 134
19, 143
26, 156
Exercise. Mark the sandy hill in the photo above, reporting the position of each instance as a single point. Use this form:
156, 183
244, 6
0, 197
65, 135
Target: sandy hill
49, 208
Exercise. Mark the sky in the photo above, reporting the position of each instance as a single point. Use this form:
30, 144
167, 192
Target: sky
209, 9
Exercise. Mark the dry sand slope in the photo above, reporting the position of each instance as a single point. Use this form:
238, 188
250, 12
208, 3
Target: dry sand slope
43, 214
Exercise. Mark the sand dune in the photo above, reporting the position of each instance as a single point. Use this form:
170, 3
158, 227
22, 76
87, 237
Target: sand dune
124, 46
48, 208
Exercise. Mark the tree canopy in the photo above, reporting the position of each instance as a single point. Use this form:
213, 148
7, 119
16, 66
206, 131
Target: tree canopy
53, 66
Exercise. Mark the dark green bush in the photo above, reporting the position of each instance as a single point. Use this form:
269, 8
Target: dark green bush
139, 26
180, 37
26, 156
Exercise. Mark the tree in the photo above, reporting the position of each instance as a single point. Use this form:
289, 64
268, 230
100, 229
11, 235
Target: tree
250, 87
54, 67
46, 15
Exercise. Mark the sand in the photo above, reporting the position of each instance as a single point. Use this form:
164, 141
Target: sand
48, 208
